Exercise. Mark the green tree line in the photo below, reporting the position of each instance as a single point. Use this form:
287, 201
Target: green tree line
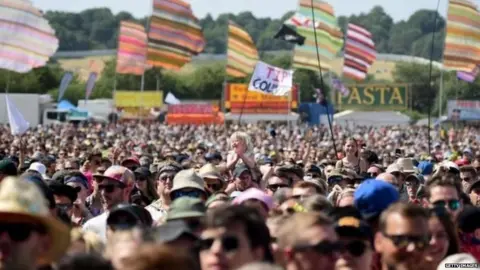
98, 29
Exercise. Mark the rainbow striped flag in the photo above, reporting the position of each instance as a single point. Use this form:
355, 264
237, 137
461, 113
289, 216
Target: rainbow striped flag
359, 54
132, 49
242, 55
27, 41
174, 35
329, 36
462, 41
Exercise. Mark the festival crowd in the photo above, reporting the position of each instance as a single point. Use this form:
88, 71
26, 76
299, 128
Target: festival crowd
144, 196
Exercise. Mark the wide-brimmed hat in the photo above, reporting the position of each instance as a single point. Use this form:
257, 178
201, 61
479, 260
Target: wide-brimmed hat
407, 165
210, 171
186, 207
187, 179
22, 201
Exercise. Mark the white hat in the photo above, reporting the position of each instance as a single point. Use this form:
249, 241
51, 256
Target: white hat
38, 167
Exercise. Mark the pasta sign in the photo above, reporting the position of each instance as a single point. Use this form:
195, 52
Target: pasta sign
374, 97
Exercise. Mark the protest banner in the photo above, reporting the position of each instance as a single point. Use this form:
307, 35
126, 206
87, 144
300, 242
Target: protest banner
272, 80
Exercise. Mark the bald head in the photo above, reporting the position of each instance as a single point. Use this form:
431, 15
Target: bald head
388, 177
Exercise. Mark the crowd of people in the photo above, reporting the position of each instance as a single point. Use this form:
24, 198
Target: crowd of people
141, 196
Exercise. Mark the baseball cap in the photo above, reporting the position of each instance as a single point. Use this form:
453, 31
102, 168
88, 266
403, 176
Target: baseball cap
349, 223
186, 207
127, 216
77, 178
239, 170
39, 168
8, 168
170, 231
60, 189
425, 167
131, 159
373, 196
117, 173
142, 172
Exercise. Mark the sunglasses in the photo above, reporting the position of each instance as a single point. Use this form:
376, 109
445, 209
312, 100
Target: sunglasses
356, 248
275, 187
323, 247
229, 243
20, 232
402, 241
108, 188
191, 194
451, 204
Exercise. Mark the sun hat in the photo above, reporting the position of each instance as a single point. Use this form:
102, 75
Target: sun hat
373, 196
170, 231
21, 201
406, 164
186, 207
7, 167
393, 168
254, 194
187, 179
117, 173
210, 171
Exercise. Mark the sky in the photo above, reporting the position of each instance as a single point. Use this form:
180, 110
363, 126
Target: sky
399, 10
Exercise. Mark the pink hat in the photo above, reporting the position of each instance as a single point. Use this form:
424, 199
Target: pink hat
119, 174
254, 194
132, 159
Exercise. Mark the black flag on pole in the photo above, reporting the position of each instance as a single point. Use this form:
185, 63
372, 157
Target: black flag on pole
288, 34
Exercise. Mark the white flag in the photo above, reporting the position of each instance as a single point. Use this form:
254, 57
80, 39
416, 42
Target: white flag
171, 99
269, 79
18, 124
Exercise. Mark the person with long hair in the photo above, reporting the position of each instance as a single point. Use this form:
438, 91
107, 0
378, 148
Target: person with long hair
352, 159
241, 152
444, 240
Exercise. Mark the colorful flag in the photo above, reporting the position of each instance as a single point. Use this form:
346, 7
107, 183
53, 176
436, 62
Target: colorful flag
242, 55
27, 41
329, 36
288, 34
132, 49
360, 52
300, 20
90, 84
174, 35
64, 83
340, 87
18, 124
462, 41
468, 76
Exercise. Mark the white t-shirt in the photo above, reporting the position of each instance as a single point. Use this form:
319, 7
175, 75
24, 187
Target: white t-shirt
97, 225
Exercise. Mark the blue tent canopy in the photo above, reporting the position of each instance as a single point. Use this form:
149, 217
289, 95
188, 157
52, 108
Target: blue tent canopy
65, 105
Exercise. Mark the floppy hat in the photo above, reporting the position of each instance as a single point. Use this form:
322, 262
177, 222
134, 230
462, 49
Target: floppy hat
254, 194
210, 171
186, 207
406, 164
170, 231
187, 179
117, 173
22, 201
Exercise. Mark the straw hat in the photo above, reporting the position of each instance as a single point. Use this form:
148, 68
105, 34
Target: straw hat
210, 171
22, 201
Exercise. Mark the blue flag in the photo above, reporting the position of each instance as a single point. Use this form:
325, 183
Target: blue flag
66, 80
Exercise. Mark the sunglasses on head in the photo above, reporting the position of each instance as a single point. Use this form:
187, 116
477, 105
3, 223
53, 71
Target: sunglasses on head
20, 232
108, 188
451, 204
402, 241
275, 187
229, 243
323, 247
190, 193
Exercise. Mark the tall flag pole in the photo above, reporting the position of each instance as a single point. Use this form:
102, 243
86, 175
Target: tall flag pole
462, 40
359, 53
27, 40
174, 35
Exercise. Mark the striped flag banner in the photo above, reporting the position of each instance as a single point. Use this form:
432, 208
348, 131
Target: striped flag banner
132, 49
242, 55
340, 87
27, 41
64, 83
329, 36
300, 20
469, 76
174, 35
462, 41
90, 84
359, 53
